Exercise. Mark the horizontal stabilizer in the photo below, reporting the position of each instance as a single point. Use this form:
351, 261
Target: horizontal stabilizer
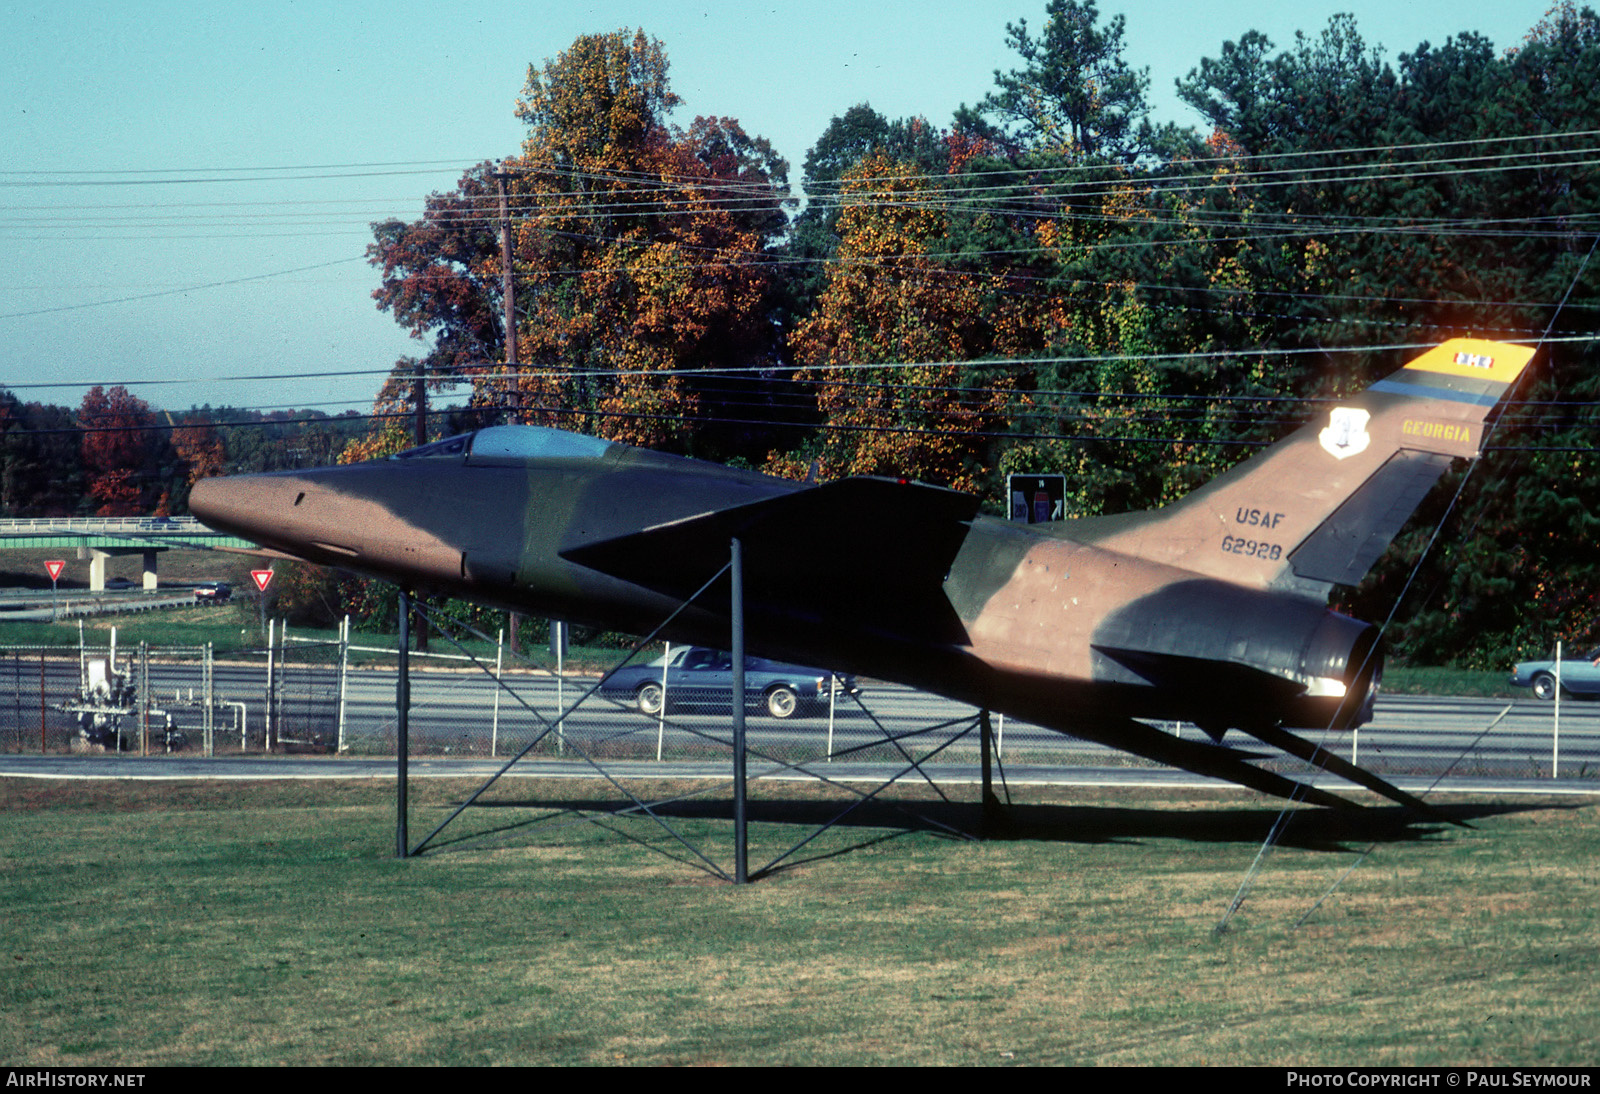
866, 552
1199, 676
1213, 761
1338, 765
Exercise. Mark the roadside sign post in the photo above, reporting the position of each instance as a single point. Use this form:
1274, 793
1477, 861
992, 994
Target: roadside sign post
54, 567
262, 578
1037, 499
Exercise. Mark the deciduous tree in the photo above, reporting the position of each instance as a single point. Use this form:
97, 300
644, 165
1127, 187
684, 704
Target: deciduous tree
119, 451
41, 459
639, 254
884, 343
642, 255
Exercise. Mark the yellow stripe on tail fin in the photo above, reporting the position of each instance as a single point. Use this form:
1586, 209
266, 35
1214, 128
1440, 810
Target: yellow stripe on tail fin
1319, 507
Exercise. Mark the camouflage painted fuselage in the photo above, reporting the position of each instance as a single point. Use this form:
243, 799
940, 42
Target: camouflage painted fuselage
1210, 610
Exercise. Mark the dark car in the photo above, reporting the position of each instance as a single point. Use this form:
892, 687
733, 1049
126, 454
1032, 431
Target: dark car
1579, 676
215, 591
117, 584
700, 677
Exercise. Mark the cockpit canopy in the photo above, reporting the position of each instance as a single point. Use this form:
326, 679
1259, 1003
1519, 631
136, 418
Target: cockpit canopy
511, 442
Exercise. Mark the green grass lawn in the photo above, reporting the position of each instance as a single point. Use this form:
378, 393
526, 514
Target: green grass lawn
161, 923
1425, 680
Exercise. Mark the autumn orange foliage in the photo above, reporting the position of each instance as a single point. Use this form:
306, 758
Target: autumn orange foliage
880, 345
117, 450
200, 449
639, 246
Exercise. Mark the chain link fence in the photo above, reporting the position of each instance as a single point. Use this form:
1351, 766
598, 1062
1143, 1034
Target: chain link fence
336, 697
152, 700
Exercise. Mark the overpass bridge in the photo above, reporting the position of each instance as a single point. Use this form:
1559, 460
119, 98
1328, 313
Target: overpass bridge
97, 539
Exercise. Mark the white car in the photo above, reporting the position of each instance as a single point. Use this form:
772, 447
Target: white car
1579, 677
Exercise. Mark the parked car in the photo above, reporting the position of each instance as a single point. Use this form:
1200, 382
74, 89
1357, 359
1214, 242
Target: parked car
1579, 677
697, 676
215, 591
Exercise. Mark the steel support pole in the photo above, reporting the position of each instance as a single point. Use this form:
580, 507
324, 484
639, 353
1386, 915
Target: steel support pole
144, 697
402, 732
741, 844
209, 721
985, 749
266, 716
1555, 720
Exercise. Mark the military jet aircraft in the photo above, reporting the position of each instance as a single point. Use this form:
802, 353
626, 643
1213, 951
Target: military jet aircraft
1211, 610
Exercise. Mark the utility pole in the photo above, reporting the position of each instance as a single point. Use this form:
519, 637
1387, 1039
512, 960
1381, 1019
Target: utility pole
419, 402
419, 399
508, 294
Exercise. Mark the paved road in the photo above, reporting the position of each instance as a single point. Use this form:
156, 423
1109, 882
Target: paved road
1407, 731
455, 713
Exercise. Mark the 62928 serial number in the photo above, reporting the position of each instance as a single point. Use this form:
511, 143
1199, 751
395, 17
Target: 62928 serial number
1255, 548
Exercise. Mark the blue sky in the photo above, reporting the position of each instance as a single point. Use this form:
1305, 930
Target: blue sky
185, 190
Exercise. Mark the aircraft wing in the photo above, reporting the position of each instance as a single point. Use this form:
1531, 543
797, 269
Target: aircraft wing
864, 552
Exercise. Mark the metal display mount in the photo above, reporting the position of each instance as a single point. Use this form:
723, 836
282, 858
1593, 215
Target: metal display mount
740, 873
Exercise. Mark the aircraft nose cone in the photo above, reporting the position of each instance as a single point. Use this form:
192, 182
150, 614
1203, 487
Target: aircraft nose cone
213, 501
235, 504
265, 509
360, 517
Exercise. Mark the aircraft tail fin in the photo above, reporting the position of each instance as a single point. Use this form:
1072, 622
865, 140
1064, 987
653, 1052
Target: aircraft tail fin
1321, 505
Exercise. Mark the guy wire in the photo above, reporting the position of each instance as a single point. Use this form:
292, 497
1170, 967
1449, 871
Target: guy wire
1281, 823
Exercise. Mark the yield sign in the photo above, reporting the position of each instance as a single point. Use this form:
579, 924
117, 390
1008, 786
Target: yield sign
54, 568
263, 579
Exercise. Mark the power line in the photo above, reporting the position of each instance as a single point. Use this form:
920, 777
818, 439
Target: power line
175, 292
498, 371
946, 192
